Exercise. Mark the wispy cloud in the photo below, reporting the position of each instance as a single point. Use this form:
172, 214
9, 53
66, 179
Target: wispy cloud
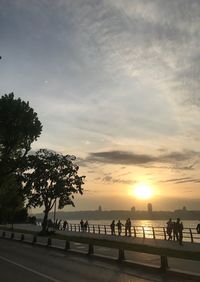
111, 179
181, 180
131, 158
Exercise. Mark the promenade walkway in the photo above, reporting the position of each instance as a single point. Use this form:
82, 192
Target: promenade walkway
158, 243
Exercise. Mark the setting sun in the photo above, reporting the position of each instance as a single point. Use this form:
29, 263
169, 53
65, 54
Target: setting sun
143, 191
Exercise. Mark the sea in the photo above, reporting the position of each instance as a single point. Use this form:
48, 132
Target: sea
145, 223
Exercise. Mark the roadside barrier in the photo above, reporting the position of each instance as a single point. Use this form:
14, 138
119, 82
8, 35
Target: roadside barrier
164, 251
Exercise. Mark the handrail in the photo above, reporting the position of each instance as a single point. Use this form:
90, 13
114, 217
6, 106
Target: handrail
153, 232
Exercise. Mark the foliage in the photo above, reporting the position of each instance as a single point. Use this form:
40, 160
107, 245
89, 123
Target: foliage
19, 127
51, 176
12, 201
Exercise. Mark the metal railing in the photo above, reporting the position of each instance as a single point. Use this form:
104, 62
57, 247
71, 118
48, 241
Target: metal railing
151, 232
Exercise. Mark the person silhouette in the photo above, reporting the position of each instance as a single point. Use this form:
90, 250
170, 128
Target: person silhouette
86, 226
179, 230
169, 229
119, 227
112, 227
82, 225
198, 228
128, 227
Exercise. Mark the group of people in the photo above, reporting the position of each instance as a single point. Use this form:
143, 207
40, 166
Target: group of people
175, 230
84, 225
58, 224
119, 227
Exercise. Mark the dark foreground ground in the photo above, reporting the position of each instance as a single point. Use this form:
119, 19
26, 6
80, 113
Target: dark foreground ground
24, 262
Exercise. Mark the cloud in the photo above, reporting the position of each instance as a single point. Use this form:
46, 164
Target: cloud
131, 158
120, 157
179, 156
110, 179
118, 72
181, 180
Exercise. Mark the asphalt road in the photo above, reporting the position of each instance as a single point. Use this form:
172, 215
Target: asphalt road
23, 262
174, 264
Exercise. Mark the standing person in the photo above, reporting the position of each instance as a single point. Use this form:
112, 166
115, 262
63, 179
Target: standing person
112, 227
180, 231
169, 229
86, 226
175, 231
119, 227
198, 228
128, 227
65, 223
82, 225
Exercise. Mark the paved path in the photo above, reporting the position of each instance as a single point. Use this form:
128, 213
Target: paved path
194, 247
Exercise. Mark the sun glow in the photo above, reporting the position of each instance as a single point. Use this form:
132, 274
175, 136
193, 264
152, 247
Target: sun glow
143, 191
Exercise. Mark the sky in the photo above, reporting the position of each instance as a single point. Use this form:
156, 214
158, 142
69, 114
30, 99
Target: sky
115, 83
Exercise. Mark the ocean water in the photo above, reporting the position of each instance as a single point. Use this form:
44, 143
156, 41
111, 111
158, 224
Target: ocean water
145, 223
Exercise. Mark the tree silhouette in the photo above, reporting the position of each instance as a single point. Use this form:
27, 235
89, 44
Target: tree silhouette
51, 176
11, 199
19, 127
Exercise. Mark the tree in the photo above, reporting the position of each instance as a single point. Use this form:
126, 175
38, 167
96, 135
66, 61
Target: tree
51, 176
19, 128
12, 200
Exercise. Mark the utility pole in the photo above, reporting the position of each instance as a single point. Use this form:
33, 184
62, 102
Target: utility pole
54, 215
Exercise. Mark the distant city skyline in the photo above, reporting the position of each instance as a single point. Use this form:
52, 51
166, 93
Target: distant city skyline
116, 83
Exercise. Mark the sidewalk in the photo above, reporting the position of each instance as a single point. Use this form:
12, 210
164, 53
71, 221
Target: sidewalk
187, 246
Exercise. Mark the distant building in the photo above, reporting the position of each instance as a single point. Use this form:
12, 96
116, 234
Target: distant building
184, 208
100, 209
133, 209
149, 208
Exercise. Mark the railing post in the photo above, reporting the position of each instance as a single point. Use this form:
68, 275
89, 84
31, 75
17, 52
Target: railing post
191, 236
70, 227
93, 229
75, 227
4, 234
22, 237
154, 235
34, 239
134, 230
163, 263
79, 228
105, 229
12, 236
48, 242
99, 229
88, 228
121, 255
165, 236
90, 249
67, 245
143, 231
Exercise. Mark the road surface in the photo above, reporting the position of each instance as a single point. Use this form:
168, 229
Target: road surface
174, 263
24, 262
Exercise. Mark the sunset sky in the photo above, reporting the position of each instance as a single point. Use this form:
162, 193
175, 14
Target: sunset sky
116, 83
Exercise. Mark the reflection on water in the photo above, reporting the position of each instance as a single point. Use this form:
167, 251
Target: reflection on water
146, 223
144, 229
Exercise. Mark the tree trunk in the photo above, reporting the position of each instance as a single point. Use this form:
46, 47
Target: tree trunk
45, 222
